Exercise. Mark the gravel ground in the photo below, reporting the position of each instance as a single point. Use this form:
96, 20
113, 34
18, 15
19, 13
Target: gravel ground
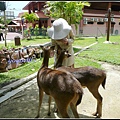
25, 103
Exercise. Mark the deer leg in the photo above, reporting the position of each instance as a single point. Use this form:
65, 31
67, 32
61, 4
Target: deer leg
97, 95
62, 108
40, 101
55, 108
74, 110
73, 105
49, 103
98, 112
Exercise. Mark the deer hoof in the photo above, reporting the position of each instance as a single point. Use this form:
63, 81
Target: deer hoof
95, 114
37, 116
49, 113
98, 116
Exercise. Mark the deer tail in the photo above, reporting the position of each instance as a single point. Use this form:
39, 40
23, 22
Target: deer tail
79, 100
103, 83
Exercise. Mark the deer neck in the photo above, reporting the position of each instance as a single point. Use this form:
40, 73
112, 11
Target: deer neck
45, 59
19, 54
60, 60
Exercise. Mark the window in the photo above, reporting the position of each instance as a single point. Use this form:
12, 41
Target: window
90, 22
100, 23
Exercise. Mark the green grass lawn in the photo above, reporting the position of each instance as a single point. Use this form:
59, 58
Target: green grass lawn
100, 52
25, 42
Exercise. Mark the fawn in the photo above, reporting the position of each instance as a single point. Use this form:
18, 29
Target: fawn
60, 85
89, 77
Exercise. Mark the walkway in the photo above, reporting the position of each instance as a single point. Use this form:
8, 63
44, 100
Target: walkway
24, 104
10, 36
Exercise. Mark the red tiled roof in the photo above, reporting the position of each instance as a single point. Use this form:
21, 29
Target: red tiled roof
26, 7
41, 15
32, 3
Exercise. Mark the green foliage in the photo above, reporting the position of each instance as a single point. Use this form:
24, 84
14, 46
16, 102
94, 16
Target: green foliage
30, 17
36, 30
1, 20
25, 32
101, 51
66, 10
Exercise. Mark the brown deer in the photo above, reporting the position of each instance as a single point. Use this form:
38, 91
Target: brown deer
89, 77
60, 85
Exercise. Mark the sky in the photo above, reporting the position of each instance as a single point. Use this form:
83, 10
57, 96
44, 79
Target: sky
16, 6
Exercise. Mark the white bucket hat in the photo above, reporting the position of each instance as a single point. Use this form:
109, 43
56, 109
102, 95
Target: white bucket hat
59, 30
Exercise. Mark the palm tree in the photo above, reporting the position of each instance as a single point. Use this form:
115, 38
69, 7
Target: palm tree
30, 18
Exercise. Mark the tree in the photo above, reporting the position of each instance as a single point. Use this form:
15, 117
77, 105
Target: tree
1, 20
71, 11
29, 17
36, 30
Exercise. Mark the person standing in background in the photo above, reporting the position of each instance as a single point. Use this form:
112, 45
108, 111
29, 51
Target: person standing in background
1, 34
62, 37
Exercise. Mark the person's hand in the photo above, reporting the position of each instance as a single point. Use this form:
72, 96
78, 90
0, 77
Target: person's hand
64, 41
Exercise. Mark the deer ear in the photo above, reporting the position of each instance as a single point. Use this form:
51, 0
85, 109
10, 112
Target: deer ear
52, 47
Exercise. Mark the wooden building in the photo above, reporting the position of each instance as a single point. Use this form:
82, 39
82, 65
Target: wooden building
95, 19
37, 7
16, 26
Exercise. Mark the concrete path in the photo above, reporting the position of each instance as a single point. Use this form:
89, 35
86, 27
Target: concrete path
24, 102
10, 37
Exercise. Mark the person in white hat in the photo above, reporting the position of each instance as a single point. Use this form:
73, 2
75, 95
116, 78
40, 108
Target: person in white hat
62, 36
